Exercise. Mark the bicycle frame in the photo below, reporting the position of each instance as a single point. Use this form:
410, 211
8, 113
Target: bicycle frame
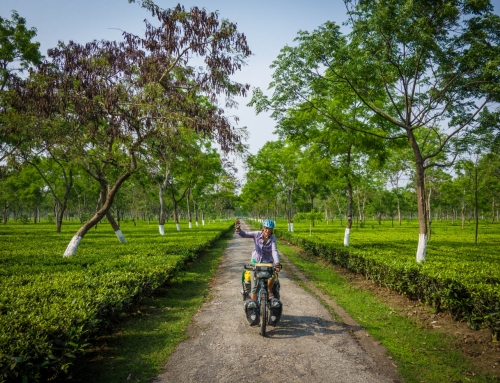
263, 293
263, 305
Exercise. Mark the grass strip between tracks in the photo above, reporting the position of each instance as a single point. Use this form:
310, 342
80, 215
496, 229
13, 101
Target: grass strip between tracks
137, 350
421, 355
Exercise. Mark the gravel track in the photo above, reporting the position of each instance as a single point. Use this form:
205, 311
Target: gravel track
308, 345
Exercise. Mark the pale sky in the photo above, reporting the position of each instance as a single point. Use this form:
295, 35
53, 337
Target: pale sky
269, 26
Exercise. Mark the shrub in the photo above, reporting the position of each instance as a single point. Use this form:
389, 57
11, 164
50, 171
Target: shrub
51, 306
456, 278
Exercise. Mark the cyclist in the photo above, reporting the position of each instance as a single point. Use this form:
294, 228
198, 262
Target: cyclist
264, 251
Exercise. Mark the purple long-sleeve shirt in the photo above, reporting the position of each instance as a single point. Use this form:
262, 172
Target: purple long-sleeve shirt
262, 252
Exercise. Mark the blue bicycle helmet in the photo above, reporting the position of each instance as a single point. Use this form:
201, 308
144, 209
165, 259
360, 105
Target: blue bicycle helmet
269, 223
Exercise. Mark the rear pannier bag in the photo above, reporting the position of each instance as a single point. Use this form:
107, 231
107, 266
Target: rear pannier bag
252, 312
275, 310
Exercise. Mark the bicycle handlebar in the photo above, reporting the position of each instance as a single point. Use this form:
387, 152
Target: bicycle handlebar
253, 266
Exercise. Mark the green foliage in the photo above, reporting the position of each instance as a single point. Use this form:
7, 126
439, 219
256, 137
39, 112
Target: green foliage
459, 278
311, 216
16, 46
24, 219
148, 336
50, 306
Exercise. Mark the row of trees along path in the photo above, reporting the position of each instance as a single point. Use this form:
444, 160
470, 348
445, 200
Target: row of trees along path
115, 109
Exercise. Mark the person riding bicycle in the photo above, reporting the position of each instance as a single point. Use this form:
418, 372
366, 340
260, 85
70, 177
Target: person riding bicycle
264, 251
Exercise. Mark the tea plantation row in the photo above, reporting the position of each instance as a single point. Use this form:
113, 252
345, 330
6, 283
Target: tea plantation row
457, 277
50, 306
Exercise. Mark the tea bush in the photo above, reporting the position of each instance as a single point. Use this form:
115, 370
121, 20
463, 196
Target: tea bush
458, 276
51, 306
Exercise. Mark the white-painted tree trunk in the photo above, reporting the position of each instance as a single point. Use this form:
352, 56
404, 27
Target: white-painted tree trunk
196, 223
161, 228
203, 222
347, 234
422, 247
72, 246
120, 236
190, 225
291, 227
178, 227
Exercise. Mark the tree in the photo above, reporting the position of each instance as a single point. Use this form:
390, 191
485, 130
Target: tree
56, 170
17, 53
197, 163
275, 166
16, 48
125, 95
427, 69
304, 104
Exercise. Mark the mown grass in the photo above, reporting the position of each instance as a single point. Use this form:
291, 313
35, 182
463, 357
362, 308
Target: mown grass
421, 355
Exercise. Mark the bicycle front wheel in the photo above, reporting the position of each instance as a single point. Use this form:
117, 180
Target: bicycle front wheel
263, 314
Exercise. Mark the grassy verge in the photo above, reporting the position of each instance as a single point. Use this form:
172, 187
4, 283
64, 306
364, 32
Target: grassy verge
421, 355
140, 346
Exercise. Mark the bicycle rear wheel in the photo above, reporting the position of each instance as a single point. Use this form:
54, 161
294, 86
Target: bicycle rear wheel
263, 313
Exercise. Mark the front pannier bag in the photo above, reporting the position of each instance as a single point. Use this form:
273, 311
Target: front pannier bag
263, 272
275, 308
252, 312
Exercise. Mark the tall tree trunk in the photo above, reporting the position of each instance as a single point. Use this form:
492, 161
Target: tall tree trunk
347, 233
429, 214
5, 213
59, 205
161, 195
326, 211
360, 212
399, 212
493, 210
175, 203
476, 203
98, 216
421, 200
312, 210
463, 211
289, 196
116, 227
190, 221
363, 214
176, 216
195, 212
339, 209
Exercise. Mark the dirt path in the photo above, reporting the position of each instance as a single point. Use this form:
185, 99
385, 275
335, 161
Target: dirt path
306, 346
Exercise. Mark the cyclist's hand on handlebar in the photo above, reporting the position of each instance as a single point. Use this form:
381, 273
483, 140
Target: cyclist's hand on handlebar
278, 267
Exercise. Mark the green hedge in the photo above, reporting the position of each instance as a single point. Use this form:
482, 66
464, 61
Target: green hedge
50, 306
470, 294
